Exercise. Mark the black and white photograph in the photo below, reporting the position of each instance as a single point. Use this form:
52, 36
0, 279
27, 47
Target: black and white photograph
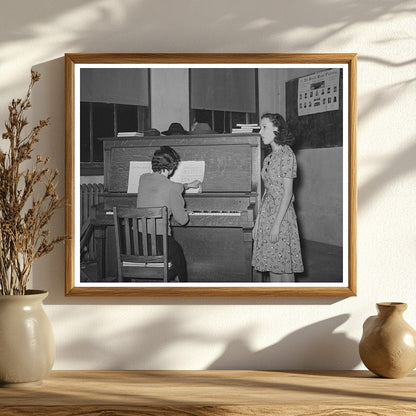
195, 175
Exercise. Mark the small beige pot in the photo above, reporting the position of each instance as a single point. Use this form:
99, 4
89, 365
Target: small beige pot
388, 345
27, 346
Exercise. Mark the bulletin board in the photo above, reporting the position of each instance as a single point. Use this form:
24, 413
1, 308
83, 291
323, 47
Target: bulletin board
314, 109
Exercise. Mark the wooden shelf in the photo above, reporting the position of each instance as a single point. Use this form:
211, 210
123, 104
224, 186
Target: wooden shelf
203, 393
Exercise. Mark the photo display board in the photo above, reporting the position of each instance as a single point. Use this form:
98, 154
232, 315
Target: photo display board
314, 109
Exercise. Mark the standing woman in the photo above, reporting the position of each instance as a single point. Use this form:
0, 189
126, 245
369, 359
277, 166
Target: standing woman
275, 234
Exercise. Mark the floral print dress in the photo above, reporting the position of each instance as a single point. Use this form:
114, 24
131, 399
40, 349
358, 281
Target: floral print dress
284, 255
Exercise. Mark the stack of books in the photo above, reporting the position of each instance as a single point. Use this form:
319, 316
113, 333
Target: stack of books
130, 134
246, 128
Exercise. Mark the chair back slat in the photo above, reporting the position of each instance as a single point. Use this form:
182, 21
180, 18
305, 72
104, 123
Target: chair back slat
136, 250
143, 223
141, 243
127, 242
152, 228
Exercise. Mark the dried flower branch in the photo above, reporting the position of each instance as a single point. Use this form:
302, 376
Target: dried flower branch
23, 217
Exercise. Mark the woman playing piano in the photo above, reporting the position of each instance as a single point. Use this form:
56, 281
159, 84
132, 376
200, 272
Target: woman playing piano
276, 237
157, 190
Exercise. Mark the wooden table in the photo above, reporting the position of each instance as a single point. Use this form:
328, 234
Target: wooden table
254, 393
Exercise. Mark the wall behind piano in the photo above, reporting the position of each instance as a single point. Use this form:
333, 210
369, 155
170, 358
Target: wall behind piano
318, 187
169, 98
199, 333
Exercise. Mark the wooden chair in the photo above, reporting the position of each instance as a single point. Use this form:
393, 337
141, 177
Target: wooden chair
142, 254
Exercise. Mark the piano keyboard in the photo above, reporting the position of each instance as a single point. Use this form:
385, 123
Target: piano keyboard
205, 213
216, 213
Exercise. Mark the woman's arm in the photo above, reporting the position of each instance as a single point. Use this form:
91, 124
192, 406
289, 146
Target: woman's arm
287, 197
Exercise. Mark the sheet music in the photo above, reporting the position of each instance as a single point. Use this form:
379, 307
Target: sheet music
188, 171
136, 170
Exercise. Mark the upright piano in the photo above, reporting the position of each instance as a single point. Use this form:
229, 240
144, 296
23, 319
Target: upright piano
217, 241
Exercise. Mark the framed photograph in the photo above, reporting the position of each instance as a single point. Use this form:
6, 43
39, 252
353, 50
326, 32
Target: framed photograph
211, 174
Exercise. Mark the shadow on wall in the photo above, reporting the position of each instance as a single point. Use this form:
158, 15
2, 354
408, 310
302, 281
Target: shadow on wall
399, 165
48, 100
403, 162
142, 347
161, 343
144, 18
314, 347
77, 26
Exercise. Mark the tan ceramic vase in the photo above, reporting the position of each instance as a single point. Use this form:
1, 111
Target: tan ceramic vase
388, 345
27, 346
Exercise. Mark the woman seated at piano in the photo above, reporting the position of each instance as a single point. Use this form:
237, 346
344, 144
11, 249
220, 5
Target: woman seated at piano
276, 237
157, 190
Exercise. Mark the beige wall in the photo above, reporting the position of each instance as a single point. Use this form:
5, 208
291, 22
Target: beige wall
169, 98
199, 333
318, 194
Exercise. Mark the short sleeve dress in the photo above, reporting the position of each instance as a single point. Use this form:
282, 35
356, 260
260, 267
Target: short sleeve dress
284, 255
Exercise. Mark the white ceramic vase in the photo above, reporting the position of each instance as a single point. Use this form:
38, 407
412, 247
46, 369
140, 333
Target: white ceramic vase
27, 346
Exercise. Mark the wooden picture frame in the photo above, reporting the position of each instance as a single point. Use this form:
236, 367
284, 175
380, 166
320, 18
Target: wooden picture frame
272, 75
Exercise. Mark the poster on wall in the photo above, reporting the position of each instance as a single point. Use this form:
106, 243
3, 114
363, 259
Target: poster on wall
176, 166
318, 92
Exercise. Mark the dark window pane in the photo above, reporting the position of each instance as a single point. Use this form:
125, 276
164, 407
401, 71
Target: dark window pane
219, 122
85, 132
238, 118
227, 122
103, 126
143, 118
203, 116
253, 118
126, 118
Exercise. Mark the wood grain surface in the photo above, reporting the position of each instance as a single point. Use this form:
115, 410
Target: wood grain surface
203, 393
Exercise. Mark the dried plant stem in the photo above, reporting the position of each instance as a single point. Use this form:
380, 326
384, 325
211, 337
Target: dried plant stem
23, 217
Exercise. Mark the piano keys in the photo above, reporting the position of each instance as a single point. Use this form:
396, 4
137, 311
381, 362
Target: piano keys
215, 213
217, 240
219, 211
